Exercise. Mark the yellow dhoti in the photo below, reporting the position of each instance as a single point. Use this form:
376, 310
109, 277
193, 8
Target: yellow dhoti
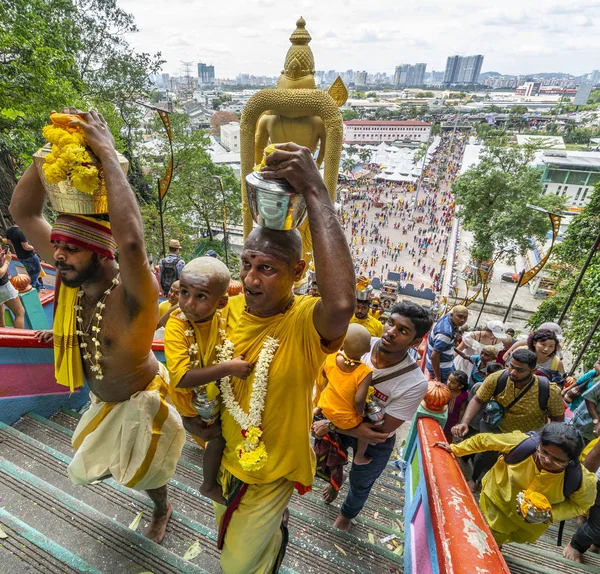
138, 441
254, 538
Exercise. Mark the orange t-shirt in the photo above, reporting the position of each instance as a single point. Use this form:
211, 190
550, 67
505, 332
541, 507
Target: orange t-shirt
337, 398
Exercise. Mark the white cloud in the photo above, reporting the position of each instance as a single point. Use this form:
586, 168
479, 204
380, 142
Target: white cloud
252, 36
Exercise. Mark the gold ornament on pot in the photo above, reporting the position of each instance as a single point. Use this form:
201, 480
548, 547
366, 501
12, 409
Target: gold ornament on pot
437, 397
70, 172
21, 282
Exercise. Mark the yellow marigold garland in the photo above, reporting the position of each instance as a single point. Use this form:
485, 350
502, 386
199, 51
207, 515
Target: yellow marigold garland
69, 158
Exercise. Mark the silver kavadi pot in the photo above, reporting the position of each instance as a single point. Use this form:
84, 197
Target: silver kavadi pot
274, 203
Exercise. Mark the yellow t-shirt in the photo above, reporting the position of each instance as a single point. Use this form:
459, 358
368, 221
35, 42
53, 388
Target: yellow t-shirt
505, 481
525, 415
337, 398
288, 413
374, 326
177, 345
163, 307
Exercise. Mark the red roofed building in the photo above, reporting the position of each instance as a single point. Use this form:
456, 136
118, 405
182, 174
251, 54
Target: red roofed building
375, 132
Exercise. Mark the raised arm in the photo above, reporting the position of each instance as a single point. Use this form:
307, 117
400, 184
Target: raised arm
125, 217
333, 263
27, 208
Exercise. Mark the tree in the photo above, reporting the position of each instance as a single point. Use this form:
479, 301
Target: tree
493, 198
348, 164
365, 154
565, 263
219, 119
194, 200
348, 115
56, 53
351, 150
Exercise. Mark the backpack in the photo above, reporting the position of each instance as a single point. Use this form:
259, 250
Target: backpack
168, 274
493, 412
573, 472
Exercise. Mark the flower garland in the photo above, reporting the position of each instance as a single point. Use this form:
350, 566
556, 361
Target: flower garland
92, 358
252, 452
69, 158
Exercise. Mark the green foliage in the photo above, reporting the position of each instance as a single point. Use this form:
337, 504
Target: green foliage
371, 95
348, 115
566, 262
194, 204
56, 53
492, 198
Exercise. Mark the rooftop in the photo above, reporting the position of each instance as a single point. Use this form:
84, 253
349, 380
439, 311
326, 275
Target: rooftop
385, 123
590, 160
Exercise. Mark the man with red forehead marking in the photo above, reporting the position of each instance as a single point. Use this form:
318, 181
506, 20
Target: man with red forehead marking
104, 322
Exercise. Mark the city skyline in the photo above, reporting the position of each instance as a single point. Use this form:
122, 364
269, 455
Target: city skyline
520, 38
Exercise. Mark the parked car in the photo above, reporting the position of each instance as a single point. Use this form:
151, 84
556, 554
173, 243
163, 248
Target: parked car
510, 277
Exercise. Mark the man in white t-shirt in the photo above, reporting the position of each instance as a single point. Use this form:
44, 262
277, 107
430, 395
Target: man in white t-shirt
401, 388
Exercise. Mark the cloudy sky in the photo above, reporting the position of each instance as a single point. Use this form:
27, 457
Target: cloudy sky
515, 36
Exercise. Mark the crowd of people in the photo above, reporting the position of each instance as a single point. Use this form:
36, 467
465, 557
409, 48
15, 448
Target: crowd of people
393, 228
501, 405
275, 385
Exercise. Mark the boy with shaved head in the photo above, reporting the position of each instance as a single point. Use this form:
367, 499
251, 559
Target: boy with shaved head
191, 338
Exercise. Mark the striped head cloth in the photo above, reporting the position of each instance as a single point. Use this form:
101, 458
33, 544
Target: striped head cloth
85, 232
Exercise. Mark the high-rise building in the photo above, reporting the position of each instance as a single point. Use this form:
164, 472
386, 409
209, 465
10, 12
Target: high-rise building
360, 79
463, 69
410, 75
206, 75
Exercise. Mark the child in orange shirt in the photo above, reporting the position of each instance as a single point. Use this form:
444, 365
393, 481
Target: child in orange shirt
347, 382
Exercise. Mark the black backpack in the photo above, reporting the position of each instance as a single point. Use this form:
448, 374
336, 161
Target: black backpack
573, 473
168, 274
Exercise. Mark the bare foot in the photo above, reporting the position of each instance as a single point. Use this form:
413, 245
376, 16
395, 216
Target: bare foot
158, 526
214, 493
329, 494
343, 523
572, 554
361, 460
595, 549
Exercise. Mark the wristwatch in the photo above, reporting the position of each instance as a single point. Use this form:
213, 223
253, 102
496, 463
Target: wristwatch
331, 427
594, 421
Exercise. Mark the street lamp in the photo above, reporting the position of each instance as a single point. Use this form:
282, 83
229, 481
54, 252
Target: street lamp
220, 180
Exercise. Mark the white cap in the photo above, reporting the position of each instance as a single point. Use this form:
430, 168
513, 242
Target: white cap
554, 327
496, 327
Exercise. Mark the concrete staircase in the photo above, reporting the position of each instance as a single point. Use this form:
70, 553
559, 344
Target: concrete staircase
55, 527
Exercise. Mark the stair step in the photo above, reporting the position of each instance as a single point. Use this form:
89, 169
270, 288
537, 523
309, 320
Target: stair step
539, 559
380, 501
26, 549
309, 534
380, 516
115, 500
97, 539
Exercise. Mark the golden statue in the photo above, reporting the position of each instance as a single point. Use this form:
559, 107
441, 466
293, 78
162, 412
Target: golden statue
296, 112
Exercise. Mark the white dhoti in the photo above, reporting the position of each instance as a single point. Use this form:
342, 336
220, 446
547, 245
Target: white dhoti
137, 441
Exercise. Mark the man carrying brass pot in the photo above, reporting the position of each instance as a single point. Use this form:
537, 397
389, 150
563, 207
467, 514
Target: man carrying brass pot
104, 323
268, 453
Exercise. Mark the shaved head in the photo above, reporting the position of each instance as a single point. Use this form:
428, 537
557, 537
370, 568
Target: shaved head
201, 268
357, 341
283, 245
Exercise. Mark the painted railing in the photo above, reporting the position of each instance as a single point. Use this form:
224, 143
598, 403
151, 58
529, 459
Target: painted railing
27, 380
445, 532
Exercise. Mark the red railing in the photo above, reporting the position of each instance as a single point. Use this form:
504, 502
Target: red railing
463, 539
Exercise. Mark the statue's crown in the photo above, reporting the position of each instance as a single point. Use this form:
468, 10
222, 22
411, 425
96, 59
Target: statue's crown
299, 61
